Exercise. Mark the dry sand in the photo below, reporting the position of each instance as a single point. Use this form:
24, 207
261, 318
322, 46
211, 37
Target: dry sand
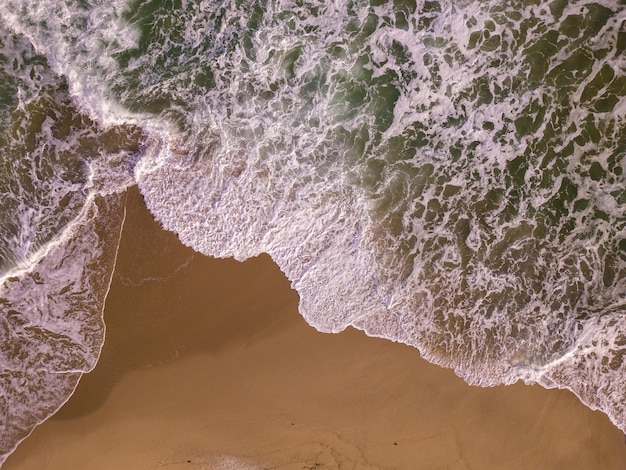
207, 364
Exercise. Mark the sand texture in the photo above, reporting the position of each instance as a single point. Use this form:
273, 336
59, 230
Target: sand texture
207, 364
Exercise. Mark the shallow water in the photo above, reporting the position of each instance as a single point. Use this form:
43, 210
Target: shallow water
445, 174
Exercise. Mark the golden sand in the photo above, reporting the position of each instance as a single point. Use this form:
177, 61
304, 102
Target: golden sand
207, 364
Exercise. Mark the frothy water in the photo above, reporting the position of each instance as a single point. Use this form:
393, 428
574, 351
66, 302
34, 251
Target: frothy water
445, 174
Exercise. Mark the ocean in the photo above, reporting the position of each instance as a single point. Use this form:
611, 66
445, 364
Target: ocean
449, 175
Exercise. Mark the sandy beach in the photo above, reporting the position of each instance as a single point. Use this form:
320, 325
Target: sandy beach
207, 364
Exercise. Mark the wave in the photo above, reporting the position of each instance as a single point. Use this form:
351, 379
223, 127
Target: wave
51, 321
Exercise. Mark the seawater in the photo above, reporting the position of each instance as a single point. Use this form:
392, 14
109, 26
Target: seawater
449, 175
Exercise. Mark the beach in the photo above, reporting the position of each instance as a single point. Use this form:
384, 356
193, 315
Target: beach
207, 364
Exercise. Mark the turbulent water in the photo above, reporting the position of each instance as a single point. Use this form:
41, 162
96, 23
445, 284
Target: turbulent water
450, 175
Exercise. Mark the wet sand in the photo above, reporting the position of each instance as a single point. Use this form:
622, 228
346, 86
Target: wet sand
207, 364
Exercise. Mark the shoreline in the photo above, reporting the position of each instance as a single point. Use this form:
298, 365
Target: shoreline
207, 364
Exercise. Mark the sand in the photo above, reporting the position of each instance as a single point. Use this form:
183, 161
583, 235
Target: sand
207, 364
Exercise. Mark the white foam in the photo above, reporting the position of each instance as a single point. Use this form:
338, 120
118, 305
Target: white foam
488, 302
52, 314
79, 43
